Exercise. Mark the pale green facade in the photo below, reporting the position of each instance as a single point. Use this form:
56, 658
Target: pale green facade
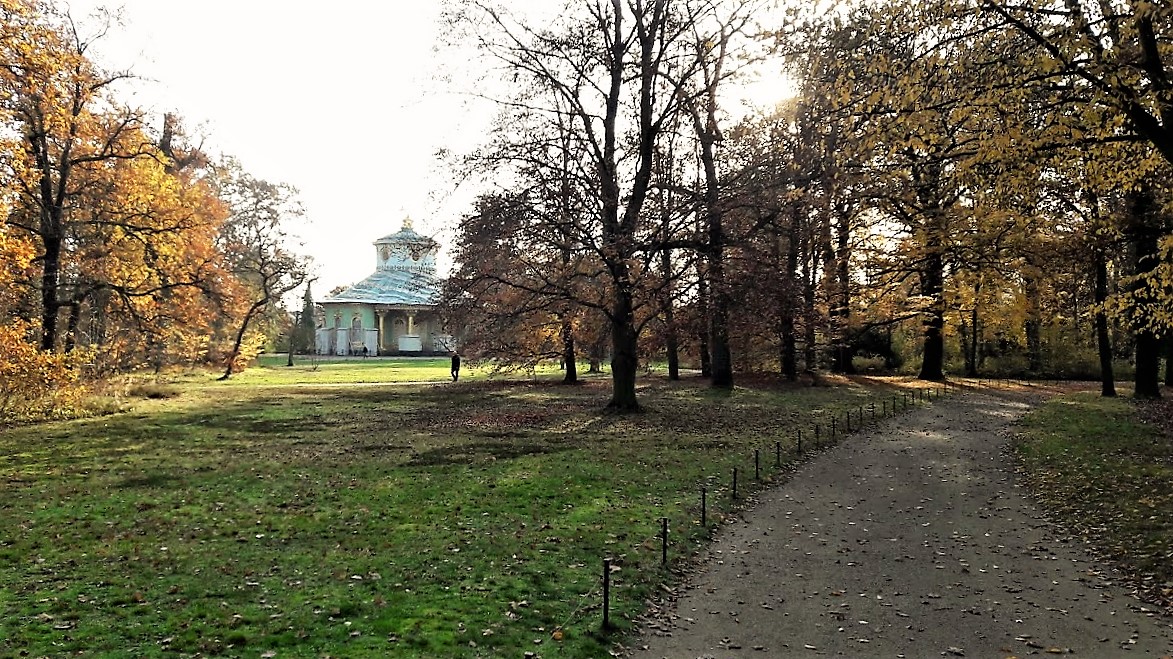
393, 311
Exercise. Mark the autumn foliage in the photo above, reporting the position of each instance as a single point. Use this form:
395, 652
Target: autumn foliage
954, 187
117, 241
35, 384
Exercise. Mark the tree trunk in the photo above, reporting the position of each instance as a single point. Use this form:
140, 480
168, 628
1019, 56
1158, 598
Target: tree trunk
1169, 360
51, 196
1148, 365
829, 284
788, 309
1034, 345
932, 280
624, 357
844, 354
708, 133
789, 349
50, 280
252, 311
972, 358
702, 303
1032, 326
932, 271
843, 358
292, 337
964, 334
597, 351
1103, 336
810, 353
722, 364
1145, 236
671, 342
970, 335
810, 267
569, 358
72, 325
722, 357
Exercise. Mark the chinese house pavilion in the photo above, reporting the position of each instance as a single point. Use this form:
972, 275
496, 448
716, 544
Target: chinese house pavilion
393, 311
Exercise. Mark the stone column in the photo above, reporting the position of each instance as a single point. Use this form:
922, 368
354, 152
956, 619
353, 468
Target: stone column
382, 343
411, 324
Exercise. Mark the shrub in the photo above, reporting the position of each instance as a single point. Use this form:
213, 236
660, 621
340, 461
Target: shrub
37, 385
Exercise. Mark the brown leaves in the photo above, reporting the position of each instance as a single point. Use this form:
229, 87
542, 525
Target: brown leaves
1106, 474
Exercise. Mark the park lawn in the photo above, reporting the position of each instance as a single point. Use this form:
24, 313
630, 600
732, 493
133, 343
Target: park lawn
1104, 468
428, 520
272, 370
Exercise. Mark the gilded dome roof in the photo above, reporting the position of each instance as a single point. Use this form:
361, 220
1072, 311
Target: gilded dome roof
392, 287
405, 272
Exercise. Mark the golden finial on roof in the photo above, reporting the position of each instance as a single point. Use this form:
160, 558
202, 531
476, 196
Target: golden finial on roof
407, 223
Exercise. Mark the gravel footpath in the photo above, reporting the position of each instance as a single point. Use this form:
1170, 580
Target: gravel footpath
910, 539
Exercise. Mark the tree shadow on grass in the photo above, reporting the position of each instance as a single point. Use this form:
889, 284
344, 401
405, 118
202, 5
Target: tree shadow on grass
471, 452
146, 481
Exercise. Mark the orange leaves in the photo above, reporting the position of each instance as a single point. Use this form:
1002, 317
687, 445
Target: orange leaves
113, 237
16, 256
34, 384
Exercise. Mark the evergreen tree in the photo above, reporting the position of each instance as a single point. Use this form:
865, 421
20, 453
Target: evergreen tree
306, 327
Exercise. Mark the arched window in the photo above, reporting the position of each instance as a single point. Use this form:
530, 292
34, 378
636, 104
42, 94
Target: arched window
356, 323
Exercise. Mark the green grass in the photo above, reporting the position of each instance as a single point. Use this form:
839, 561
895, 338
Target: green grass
251, 517
1105, 468
271, 370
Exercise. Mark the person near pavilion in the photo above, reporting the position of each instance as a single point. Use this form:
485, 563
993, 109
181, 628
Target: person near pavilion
455, 366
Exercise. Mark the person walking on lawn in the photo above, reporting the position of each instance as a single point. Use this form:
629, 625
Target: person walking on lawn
455, 366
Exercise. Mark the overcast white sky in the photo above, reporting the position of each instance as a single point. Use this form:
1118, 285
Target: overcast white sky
338, 99
343, 100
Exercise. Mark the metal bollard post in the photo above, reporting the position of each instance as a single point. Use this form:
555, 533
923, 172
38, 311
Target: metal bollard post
735, 482
606, 593
663, 540
757, 464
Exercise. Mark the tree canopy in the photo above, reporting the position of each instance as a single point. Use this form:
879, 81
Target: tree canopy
920, 199
118, 238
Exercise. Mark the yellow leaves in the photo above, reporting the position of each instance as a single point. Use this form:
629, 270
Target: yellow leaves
139, 261
1146, 300
34, 384
16, 252
16, 256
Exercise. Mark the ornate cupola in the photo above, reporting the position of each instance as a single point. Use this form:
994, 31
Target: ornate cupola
395, 309
406, 251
